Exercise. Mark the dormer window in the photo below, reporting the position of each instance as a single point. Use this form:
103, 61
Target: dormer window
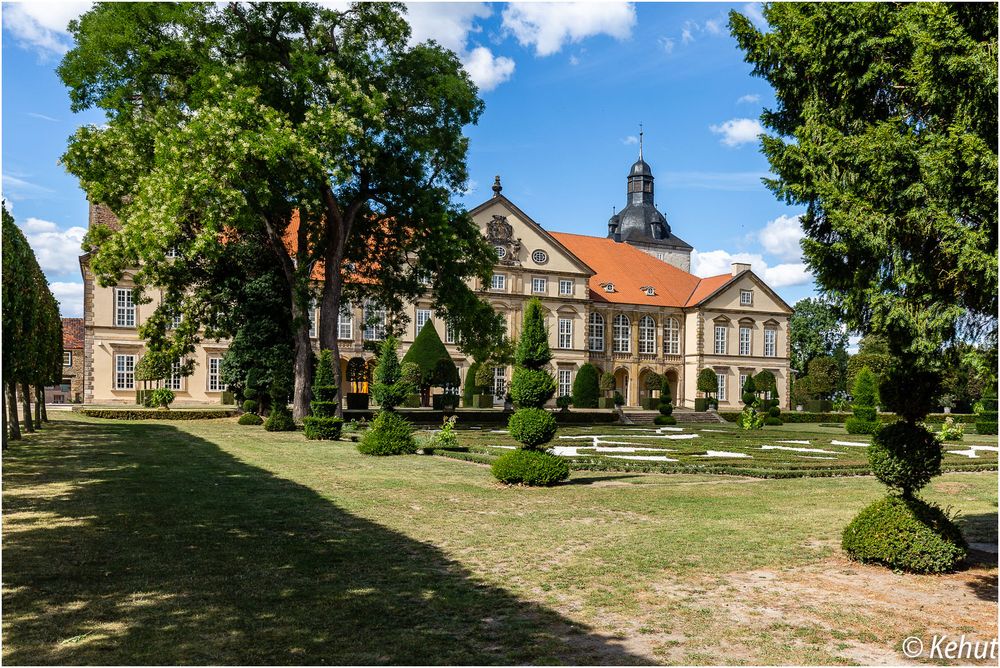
746, 297
648, 289
608, 287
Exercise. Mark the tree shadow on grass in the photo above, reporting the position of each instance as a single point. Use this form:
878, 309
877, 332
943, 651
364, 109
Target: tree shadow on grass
143, 544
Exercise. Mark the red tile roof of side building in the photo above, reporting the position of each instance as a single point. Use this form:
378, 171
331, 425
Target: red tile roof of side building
631, 270
72, 329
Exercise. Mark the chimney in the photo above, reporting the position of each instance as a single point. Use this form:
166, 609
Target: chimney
739, 268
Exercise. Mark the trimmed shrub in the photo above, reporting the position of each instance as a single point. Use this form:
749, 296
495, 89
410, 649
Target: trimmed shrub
148, 414
708, 382
856, 425
390, 434
619, 399
250, 419
664, 419
436, 368
564, 402
389, 389
750, 419
771, 421
865, 391
250, 406
161, 397
904, 456
666, 406
469, 388
280, 418
909, 391
530, 467
749, 391
532, 426
586, 387
905, 534
531, 388
323, 423
987, 420
323, 428
608, 382
774, 412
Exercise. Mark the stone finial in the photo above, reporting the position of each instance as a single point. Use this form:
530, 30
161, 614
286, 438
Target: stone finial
497, 188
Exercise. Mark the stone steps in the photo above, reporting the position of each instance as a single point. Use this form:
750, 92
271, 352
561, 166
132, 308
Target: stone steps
683, 417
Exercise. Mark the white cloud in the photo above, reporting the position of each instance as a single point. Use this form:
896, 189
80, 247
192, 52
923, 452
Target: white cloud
687, 32
781, 236
630, 140
574, 61
15, 188
749, 98
667, 44
753, 11
42, 25
70, 298
550, 26
713, 26
488, 71
43, 117
55, 249
713, 263
737, 131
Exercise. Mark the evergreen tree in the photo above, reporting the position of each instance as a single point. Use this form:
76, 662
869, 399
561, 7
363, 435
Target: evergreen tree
324, 424
432, 358
586, 389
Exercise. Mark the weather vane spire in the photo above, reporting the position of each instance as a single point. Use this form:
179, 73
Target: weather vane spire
640, 141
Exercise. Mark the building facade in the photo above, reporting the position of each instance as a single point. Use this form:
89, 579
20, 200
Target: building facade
70, 388
626, 303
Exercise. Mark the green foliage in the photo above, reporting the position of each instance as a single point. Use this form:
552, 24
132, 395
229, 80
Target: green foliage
909, 391
707, 381
654, 381
664, 419
905, 534
389, 388
161, 397
608, 382
389, 434
280, 418
824, 376
532, 427
750, 419
564, 402
250, 406
749, 391
904, 456
586, 387
766, 382
987, 420
250, 419
815, 330
469, 389
484, 379
141, 414
873, 352
436, 368
533, 350
865, 392
531, 388
529, 467
619, 399
323, 423
951, 430
772, 421
322, 428
444, 439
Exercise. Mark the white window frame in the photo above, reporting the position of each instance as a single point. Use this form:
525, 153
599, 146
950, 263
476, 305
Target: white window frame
67, 358
374, 317
498, 282
499, 382
449, 332
175, 320
721, 334
565, 383
124, 308
345, 323
671, 337
565, 333
743, 381
647, 335
770, 342
595, 333
539, 285
746, 340
313, 320
621, 334
424, 315
214, 380
746, 297
124, 372
565, 287
720, 386
175, 381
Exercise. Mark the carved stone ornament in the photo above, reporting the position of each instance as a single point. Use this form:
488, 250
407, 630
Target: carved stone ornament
500, 234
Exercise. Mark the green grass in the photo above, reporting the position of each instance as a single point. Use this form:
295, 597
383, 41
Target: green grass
205, 542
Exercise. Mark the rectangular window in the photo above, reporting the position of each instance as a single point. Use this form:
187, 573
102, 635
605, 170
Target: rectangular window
743, 381
175, 379
746, 297
721, 378
565, 287
565, 333
770, 341
124, 372
345, 323
499, 382
215, 383
565, 383
374, 322
67, 358
175, 320
746, 340
423, 315
124, 308
449, 333
539, 285
498, 282
313, 324
720, 339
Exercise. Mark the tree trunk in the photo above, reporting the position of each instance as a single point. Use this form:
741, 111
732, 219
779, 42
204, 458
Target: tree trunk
303, 366
29, 427
41, 402
10, 413
329, 319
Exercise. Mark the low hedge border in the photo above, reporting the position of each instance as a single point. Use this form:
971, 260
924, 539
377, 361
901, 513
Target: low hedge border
474, 457
471, 416
156, 414
840, 418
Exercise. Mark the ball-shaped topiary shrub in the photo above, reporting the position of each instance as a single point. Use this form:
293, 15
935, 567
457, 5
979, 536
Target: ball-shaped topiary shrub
909, 391
530, 467
280, 418
250, 406
161, 397
531, 388
390, 434
532, 426
250, 419
904, 456
905, 534
664, 420
586, 387
770, 421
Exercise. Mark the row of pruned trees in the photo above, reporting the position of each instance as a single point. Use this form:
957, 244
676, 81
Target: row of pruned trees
32, 333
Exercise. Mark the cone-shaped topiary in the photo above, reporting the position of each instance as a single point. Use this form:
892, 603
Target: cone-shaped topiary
324, 424
749, 391
531, 425
586, 388
390, 433
469, 389
389, 388
427, 352
865, 392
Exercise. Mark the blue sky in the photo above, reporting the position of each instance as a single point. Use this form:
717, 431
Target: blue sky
565, 87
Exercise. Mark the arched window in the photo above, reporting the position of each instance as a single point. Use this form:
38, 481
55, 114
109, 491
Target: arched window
622, 334
596, 333
671, 337
647, 335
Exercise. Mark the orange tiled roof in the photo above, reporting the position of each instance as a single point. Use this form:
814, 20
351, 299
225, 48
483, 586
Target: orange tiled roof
72, 329
631, 270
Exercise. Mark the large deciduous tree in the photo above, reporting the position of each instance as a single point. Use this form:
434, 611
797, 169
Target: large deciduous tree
815, 330
322, 129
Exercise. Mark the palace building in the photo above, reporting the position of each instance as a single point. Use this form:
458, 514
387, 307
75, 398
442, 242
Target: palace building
626, 303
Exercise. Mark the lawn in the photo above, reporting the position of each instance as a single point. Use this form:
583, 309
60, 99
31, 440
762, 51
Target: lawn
205, 542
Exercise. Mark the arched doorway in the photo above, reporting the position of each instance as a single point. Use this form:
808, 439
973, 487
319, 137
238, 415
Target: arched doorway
675, 387
644, 390
622, 385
